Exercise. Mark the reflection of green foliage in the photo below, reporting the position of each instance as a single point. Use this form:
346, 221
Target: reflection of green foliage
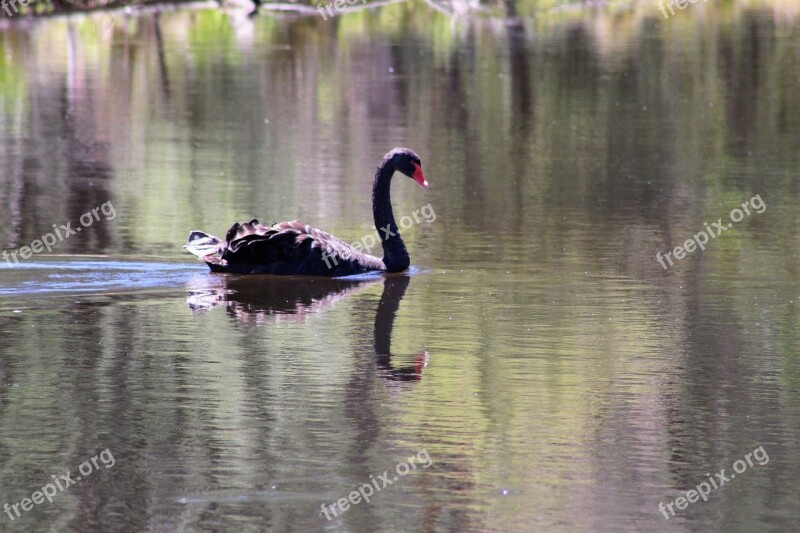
13, 82
212, 35
547, 11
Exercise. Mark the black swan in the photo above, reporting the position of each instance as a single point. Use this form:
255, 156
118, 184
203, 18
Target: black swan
294, 248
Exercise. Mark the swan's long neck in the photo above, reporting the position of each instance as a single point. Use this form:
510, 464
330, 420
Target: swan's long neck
395, 255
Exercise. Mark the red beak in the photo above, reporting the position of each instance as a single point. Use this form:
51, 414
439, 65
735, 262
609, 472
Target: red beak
419, 176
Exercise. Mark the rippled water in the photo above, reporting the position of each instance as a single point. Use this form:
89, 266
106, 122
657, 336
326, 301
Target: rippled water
554, 374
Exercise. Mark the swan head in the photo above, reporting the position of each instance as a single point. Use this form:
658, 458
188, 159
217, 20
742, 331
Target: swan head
407, 162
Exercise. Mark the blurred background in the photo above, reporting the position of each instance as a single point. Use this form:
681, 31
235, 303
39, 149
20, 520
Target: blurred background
559, 378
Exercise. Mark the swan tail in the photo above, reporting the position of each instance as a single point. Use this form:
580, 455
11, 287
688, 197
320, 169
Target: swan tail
202, 244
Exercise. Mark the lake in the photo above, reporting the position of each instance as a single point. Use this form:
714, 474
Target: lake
602, 314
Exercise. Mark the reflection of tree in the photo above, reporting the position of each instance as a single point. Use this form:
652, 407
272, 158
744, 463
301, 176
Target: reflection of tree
162, 62
88, 170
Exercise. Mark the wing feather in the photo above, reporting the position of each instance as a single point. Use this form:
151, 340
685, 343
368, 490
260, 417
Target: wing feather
291, 247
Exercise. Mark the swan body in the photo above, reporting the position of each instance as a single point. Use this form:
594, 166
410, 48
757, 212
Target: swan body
295, 248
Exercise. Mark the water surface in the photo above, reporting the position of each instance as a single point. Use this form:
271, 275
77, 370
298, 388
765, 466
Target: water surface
556, 375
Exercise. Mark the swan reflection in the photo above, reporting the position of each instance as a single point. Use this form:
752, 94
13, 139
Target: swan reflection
263, 300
